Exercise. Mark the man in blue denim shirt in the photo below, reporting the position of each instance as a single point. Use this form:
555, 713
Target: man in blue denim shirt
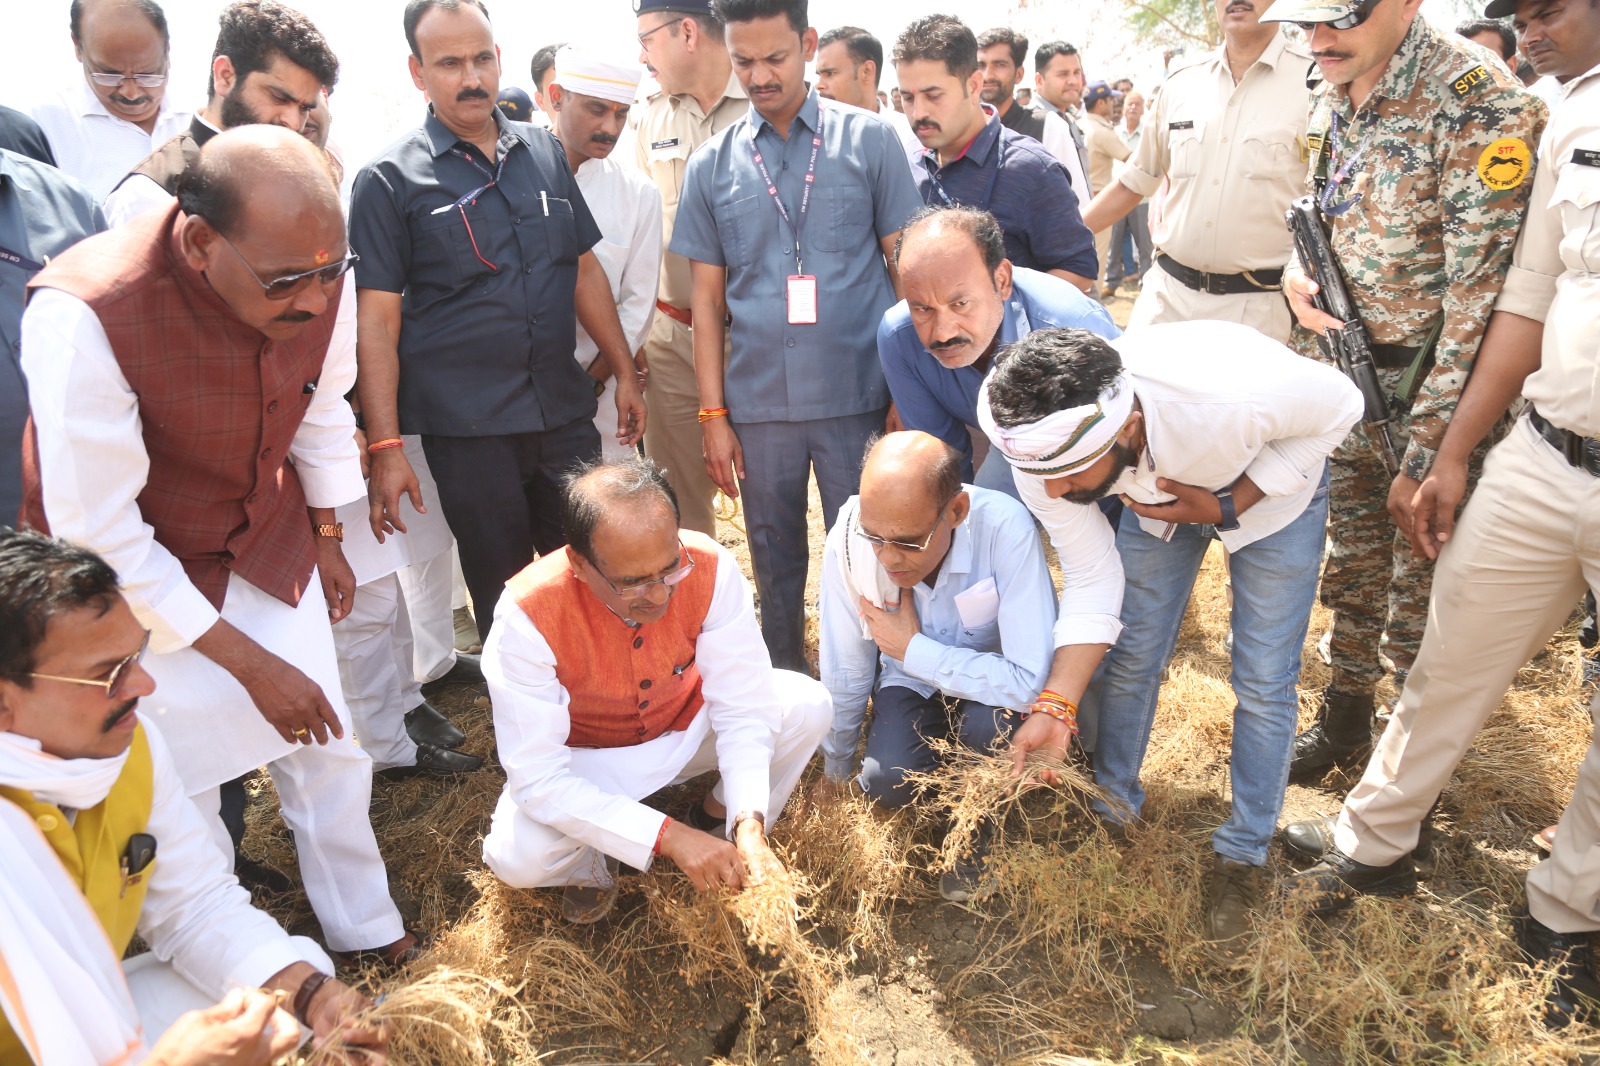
939, 592
964, 302
787, 218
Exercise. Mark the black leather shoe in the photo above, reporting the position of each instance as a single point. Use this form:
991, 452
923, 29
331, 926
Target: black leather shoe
426, 724
432, 759
1311, 839
697, 817
468, 670
1575, 993
1334, 883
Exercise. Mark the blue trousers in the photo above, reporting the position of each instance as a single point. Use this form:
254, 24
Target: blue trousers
902, 724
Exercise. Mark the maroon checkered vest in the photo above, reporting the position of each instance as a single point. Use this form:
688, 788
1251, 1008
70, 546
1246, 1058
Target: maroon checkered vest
219, 404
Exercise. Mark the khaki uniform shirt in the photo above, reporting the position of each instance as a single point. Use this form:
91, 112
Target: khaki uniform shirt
1106, 149
1555, 274
1444, 183
671, 129
1235, 157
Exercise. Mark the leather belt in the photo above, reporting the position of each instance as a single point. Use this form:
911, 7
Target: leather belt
677, 314
1580, 451
1393, 356
1222, 284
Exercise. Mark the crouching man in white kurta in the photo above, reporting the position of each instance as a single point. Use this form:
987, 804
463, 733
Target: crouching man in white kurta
100, 844
180, 431
626, 662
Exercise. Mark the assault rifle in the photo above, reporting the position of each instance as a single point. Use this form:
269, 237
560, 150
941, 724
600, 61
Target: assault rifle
1350, 348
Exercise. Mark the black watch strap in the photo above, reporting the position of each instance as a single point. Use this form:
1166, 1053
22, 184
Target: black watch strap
1230, 519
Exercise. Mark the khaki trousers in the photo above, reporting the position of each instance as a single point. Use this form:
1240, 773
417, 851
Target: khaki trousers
672, 434
1526, 547
1166, 299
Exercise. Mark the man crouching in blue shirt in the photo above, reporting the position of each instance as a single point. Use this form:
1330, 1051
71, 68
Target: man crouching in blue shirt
939, 593
964, 302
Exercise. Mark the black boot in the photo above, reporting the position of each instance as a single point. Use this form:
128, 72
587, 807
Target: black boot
1342, 736
1575, 994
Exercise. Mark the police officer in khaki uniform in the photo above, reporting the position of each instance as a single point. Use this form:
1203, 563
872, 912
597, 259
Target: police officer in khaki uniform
681, 42
1227, 131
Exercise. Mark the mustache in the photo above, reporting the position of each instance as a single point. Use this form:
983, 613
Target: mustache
118, 715
1320, 56
295, 317
137, 101
927, 124
471, 94
774, 87
953, 342
602, 138
1244, 5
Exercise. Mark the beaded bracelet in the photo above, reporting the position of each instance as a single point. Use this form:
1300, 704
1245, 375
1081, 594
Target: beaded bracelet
392, 442
707, 414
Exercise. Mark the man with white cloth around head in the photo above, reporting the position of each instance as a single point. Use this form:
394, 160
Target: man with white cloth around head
590, 99
628, 661
1209, 431
100, 844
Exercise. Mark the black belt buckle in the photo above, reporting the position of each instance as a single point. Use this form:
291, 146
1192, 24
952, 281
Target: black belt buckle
1584, 453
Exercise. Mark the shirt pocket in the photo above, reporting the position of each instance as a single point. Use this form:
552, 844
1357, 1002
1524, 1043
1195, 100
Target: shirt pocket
749, 223
1184, 148
1577, 197
664, 162
1272, 154
846, 219
984, 637
560, 228
448, 246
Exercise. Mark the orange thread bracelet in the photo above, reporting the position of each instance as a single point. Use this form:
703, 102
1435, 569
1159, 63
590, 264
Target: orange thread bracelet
707, 414
392, 442
660, 835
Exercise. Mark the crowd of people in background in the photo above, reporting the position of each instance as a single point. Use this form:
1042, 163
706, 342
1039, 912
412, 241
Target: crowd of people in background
284, 465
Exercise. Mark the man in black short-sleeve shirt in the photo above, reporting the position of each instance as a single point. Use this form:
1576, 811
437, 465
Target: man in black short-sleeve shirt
475, 267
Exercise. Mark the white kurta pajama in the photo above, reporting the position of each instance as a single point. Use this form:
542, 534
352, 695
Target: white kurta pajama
67, 989
564, 809
93, 465
627, 208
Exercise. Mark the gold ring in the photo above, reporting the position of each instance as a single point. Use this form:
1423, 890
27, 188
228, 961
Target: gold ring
302, 732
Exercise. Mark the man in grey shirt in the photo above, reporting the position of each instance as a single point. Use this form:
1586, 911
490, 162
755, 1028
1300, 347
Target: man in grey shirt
43, 212
788, 217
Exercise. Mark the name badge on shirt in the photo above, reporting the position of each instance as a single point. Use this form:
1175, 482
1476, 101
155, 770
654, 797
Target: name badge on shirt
1187, 124
802, 291
656, 146
1585, 157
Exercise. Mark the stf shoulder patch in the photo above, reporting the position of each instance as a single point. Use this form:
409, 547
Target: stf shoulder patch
1464, 84
1505, 163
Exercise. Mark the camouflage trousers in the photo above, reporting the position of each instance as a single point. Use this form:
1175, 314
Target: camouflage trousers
1377, 591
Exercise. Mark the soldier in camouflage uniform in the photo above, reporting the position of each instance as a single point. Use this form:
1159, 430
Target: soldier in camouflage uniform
1421, 156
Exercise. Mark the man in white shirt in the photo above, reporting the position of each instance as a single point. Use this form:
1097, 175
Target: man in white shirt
1058, 73
102, 125
88, 797
589, 101
938, 606
625, 662
1209, 431
849, 66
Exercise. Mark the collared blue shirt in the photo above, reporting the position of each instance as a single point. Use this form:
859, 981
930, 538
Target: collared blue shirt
1028, 192
488, 324
985, 622
726, 217
935, 399
43, 212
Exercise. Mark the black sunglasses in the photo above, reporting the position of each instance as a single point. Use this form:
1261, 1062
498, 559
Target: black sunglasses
1360, 14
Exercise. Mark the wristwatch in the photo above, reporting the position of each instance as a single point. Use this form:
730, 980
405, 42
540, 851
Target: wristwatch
1230, 520
330, 529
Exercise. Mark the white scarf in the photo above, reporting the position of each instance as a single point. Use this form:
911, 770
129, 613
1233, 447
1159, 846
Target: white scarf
1063, 442
61, 985
863, 574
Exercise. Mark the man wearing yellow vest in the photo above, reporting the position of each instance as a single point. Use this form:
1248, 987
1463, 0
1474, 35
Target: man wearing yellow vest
628, 661
100, 843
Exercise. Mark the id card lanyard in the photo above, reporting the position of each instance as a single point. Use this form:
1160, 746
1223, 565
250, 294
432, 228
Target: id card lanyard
801, 288
994, 177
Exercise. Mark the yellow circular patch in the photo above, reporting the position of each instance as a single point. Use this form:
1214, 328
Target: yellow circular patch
1505, 163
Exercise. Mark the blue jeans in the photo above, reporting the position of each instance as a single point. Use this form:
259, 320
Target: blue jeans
1274, 585
902, 724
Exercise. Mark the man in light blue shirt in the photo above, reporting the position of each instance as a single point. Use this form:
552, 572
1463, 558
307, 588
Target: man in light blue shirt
937, 604
964, 302
787, 218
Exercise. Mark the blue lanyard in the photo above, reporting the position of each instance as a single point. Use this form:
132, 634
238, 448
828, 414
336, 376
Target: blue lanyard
494, 178
805, 196
938, 186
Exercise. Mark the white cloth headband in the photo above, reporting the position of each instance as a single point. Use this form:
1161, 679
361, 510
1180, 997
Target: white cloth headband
1063, 442
579, 72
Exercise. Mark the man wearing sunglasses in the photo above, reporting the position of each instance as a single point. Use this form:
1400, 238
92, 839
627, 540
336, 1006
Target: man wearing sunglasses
628, 661
937, 606
100, 843
1421, 160
186, 374
118, 113
270, 64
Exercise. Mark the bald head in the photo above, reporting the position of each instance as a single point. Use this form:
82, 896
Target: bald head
915, 465
259, 176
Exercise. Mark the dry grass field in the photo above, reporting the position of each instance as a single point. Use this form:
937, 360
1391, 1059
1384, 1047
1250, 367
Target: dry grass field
1089, 953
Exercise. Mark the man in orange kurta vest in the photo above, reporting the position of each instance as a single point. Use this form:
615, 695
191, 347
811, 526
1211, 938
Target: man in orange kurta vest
625, 662
100, 843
